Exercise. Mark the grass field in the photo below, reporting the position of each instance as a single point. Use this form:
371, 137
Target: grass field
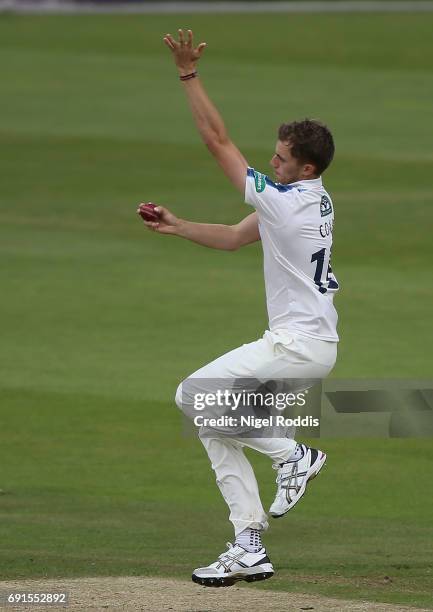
101, 319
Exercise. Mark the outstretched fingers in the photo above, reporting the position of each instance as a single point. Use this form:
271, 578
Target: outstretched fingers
170, 42
201, 48
184, 45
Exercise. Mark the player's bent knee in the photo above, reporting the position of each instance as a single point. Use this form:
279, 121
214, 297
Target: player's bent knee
178, 396
184, 400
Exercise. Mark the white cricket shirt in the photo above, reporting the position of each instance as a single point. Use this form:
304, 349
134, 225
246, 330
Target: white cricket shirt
295, 225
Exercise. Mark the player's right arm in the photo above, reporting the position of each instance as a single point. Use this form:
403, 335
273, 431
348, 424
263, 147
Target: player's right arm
207, 118
212, 235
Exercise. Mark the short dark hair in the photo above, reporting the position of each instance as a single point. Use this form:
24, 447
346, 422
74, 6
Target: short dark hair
311, 142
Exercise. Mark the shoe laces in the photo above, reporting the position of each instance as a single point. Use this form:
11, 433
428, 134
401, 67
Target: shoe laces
285, 473
228, 554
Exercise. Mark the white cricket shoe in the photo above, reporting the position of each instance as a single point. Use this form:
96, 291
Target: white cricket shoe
293, 477
233, 565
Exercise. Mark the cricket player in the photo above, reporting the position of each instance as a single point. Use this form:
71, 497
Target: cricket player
293, 218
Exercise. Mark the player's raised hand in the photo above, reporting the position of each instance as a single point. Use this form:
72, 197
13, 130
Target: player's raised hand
159, 219
185, 54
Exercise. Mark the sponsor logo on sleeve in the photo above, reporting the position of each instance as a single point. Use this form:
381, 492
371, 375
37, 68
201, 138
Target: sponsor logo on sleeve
260, 181
325, 206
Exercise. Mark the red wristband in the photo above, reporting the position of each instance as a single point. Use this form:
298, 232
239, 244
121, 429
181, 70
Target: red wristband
187, 77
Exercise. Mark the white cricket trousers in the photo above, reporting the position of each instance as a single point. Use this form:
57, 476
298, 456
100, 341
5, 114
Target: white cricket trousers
279, 354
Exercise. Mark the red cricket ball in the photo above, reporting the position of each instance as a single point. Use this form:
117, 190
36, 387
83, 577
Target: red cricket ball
147, 212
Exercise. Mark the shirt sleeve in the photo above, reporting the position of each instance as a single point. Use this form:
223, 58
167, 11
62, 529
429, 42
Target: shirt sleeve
271, 200
253, 180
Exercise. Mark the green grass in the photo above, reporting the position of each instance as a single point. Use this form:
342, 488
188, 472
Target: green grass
101, 319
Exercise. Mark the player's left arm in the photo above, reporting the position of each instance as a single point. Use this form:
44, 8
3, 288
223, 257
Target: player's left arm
212, 235
206, 116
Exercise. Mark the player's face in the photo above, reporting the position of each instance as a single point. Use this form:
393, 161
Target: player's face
287, 168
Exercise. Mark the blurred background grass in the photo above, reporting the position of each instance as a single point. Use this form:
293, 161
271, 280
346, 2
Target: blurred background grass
102, 319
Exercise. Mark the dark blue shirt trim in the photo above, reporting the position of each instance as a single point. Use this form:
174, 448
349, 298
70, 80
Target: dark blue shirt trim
278, 186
